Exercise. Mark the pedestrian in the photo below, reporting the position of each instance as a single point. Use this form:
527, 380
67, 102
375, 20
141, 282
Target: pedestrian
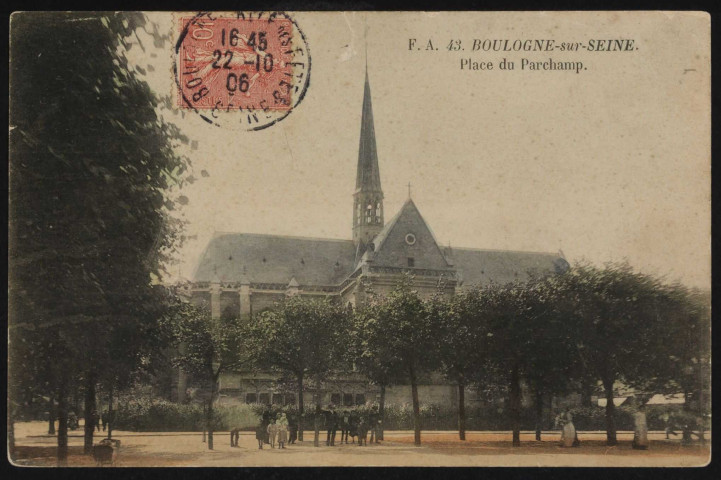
293, 428
669, 424
569, 438
95, 418
282, 430
272, 433
353, 426
344, 426
72, 421
265, 420
331, 425
104, 419
362, 431
260, 434
374, 424
640, 429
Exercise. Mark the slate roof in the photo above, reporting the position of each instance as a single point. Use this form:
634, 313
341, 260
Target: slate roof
481, 267
368, 177
390, 248
275, 259
234, 257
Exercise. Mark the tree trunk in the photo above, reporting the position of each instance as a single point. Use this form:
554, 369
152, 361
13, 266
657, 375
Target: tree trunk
610, 412
461, 410
62, 423
51, 415
586, 390
111, 414
381, 412
515, 405
416, 409
316, 426
539, 414
209, 416
89, 426
300, 407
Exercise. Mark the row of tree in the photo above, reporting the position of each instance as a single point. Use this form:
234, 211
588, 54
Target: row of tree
557, 334
93, 180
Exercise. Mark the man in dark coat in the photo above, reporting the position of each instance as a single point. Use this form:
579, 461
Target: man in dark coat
331, 423
293, 428
374, 424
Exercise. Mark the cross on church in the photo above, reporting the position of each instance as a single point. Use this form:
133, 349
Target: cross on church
409, 189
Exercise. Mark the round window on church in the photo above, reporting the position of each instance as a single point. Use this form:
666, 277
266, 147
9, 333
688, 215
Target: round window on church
410, 239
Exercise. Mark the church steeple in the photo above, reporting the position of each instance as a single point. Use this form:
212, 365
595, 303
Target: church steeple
368, 196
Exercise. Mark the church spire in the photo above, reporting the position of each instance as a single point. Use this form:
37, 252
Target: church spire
368, 177
368, 196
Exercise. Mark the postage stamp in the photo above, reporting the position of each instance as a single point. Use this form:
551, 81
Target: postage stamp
254, 66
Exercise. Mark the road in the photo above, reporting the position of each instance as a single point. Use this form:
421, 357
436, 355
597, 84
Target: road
35, 447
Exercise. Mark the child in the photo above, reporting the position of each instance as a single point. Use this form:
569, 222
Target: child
272, 433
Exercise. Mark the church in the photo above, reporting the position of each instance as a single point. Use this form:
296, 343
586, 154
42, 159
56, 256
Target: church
240, 273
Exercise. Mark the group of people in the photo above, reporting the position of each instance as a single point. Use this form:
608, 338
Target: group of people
352, 423
281, 429
569, 435
276, 428
97, 421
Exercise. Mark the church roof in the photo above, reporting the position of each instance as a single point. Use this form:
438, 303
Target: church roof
232, 257
368, 178
482, 267
392, 249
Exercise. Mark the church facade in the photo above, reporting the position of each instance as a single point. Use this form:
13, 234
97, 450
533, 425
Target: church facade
242, 274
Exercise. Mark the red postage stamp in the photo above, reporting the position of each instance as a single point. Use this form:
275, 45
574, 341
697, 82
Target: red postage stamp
254, 63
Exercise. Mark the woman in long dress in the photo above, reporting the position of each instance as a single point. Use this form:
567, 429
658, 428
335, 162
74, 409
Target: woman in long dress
282, 430
640, 429
568, 431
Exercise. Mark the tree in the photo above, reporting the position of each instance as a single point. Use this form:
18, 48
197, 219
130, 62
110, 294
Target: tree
371, 354
463, 341
302, 338
549, 360
509, 321
91, 186
404, 327
615, 315
205, 348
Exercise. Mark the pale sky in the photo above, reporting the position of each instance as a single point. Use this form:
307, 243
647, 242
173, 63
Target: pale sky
606, 164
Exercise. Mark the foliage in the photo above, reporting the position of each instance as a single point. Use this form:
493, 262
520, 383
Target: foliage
300, 336
303, 338
205, 348
401, 328
162, 416
93, 178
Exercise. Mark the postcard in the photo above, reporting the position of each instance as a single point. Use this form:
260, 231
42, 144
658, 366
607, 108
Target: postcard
359, 239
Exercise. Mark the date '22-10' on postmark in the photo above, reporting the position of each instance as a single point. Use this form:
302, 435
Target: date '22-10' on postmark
242, 69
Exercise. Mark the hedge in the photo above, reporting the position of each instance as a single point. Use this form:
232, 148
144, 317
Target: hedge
145, 415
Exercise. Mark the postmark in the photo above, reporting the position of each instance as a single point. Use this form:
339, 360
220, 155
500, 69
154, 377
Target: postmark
240, 70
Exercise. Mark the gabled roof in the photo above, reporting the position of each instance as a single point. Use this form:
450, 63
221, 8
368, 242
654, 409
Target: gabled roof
230, 257
390, 246
482, 267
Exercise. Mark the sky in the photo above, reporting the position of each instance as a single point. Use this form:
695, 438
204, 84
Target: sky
607, 164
